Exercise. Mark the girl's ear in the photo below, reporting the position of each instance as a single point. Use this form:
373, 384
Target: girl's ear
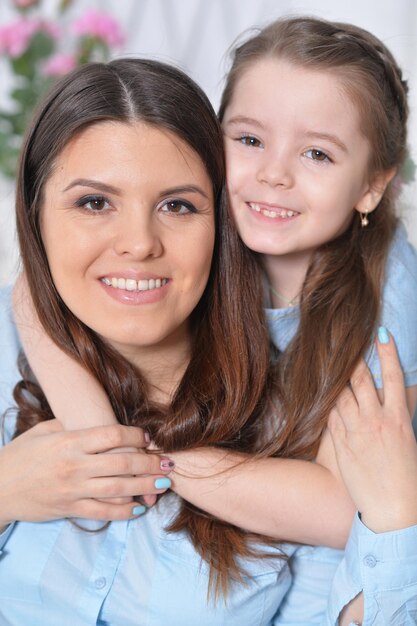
372, 196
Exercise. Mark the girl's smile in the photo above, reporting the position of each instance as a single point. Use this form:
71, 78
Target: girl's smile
272, 211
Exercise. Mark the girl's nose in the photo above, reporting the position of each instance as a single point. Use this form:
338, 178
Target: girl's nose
275, 171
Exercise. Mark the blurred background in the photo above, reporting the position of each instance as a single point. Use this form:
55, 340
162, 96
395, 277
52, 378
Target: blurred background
41, 39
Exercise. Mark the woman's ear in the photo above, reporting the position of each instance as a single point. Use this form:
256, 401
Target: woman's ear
376, 189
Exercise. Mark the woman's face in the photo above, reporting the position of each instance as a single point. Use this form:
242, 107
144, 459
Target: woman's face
128, 228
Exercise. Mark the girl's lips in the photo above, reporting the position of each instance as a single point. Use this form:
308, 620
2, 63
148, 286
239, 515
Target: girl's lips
272, 211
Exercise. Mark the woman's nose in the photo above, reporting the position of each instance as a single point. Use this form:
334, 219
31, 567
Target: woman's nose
138, 236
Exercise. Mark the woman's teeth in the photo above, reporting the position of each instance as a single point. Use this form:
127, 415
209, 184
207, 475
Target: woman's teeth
269, 213
129, 284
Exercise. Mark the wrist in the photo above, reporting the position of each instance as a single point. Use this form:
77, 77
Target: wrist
389, 520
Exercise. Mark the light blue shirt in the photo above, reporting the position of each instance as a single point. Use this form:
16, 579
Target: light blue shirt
134, 573
398, 311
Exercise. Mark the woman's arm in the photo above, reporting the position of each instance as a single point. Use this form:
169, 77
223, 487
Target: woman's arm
48, 473
377, 455
377, 452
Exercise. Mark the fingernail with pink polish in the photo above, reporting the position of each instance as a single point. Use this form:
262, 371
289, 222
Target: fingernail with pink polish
146, 437
166, 464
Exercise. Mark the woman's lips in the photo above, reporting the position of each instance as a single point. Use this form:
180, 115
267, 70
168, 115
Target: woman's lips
132, 291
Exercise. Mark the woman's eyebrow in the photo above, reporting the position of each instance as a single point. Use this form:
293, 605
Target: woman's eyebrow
184, 189
96, 184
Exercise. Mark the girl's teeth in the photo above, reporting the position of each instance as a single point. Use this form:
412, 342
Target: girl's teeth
283, 213
129, 284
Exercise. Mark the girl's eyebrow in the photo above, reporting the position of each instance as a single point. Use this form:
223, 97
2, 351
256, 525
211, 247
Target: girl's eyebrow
327, 137
242, 119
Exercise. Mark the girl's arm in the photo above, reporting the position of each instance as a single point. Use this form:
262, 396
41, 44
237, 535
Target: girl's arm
59, 376
287, 499
284, 498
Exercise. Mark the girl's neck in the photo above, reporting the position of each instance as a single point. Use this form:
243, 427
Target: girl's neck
285, 275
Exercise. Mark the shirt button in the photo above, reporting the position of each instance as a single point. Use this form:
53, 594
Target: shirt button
369, 561
99, 583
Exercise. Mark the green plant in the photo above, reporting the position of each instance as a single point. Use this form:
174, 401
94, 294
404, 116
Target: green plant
37, 52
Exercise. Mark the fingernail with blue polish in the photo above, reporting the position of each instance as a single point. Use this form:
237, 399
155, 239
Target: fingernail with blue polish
383, 335
139, 509
162, 483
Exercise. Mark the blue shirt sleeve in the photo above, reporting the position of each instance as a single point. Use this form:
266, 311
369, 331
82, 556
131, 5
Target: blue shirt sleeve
4, 536
381, 565
399, 308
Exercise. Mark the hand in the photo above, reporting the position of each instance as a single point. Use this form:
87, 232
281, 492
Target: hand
48, 473
375, 446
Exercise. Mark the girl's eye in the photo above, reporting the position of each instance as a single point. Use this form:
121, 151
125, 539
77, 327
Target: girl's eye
178, 207
95, 204
316, 155
249, 140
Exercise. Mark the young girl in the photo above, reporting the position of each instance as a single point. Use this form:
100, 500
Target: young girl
314, 117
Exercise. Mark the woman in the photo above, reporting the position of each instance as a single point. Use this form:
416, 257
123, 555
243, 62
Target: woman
115, 189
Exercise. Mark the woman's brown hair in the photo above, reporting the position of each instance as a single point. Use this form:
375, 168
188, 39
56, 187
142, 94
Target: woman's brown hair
342, 291
220, 400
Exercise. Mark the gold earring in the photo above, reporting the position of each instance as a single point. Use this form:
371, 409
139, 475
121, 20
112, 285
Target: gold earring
364, 219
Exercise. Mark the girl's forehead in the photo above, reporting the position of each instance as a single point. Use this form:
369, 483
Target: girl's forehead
279, 86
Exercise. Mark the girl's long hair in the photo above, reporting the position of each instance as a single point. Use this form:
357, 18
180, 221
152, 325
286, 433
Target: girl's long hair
221, 399
342, 291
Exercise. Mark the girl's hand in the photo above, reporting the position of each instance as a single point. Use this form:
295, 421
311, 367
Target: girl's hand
48, 473
375, 445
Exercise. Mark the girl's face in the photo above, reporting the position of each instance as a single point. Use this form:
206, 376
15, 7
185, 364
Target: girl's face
297, 161
128, 228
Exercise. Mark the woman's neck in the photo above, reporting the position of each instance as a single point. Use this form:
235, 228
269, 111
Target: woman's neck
285, 275
162, 365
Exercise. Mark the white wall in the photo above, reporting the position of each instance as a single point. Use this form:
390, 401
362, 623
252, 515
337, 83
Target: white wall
195, 34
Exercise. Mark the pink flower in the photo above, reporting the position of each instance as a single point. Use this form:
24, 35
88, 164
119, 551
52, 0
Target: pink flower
24, 4
15, 37
59, 64
100, 25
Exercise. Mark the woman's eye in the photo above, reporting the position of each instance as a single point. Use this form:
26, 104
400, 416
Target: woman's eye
178, 207
249, 140
95, 204
316, 155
